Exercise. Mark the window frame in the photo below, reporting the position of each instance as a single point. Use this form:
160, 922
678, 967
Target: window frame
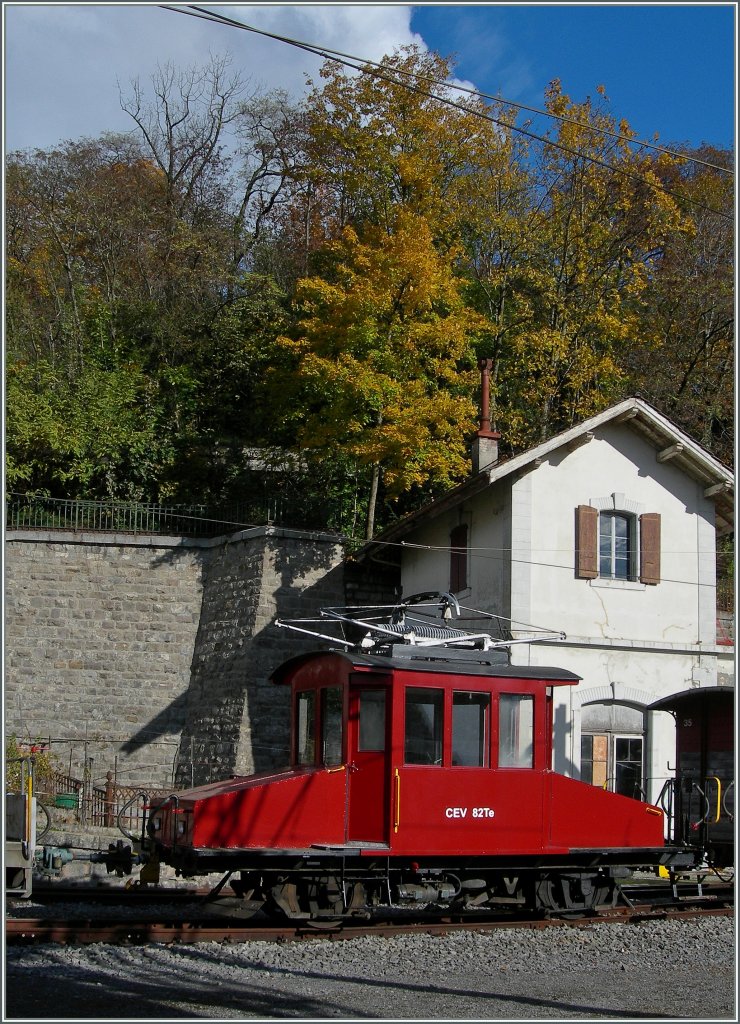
644, 540
614, 516
325, 720
522, 696
484, 737
440, 724
611, 764
308, 697
314, 699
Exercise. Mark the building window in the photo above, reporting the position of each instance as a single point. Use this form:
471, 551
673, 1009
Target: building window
628, 766
595, 759
613, 747
615, 543
613, 762
459, 559
616, 546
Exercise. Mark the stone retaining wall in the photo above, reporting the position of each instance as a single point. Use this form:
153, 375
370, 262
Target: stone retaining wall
150, 655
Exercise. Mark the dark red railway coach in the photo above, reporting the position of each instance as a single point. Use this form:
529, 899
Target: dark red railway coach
421, 776
700, 801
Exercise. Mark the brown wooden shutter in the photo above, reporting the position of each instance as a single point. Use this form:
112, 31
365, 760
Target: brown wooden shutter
459, 559
650, 548
587, 531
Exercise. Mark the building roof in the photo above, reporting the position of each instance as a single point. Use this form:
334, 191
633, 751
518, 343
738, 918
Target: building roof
669, 441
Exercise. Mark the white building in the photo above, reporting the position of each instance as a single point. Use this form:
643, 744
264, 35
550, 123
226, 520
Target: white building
606, 532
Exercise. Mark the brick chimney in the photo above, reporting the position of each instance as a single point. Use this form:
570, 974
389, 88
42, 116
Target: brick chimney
485, 442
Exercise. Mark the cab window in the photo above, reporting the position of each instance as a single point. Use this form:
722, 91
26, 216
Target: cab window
516, 730
470, 718
423, 731
331, 725
305, 727
372, 720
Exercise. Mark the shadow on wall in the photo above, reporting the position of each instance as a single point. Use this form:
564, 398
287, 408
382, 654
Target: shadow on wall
235, 720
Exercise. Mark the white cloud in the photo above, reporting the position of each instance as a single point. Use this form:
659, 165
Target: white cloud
62, 62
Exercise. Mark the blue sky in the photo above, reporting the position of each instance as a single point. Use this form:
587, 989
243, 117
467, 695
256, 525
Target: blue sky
668, 69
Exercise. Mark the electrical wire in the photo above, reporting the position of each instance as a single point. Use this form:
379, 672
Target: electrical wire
347, 60
327, 52
494, 554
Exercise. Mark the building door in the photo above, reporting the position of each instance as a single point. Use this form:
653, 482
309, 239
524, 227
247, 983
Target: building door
613, 748
368, 765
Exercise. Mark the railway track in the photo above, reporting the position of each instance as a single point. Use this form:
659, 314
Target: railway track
204, 926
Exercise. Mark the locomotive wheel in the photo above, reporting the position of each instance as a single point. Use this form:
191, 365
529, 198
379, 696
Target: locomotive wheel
236, 907
318, 898
574, 893
284, 897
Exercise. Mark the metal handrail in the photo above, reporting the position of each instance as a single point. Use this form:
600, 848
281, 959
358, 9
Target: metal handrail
705, 817
122, 814
713, 778
728, 790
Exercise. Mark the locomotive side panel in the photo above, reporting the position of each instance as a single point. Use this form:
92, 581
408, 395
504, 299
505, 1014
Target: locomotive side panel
463, 812
287, 811
580, 815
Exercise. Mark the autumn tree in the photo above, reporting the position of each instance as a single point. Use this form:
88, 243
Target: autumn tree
243, 271
688, 369
383, 359
574, 256
128, 257
384, 344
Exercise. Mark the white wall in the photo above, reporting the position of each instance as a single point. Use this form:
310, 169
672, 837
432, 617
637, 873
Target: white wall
630, 642
680, 609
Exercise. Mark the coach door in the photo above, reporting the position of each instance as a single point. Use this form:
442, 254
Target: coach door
368, 770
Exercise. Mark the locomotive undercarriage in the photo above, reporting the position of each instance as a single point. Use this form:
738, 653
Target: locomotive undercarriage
335, 887
306, 895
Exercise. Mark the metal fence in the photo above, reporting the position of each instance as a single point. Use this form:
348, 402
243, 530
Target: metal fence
725, 595
109, 806
290, 508
36, 512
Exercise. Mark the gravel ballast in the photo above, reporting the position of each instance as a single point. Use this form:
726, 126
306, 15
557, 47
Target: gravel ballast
681, 969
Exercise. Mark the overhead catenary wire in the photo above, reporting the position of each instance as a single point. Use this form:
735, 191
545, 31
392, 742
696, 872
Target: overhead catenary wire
487, 553
490, 553
498, 554
328, 52
364, 66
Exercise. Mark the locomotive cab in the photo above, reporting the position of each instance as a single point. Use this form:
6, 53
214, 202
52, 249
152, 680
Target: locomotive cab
419, 771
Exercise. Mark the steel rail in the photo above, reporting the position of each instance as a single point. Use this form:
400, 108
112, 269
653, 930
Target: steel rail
138, 932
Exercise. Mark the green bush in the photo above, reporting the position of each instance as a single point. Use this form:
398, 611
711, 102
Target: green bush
46, 764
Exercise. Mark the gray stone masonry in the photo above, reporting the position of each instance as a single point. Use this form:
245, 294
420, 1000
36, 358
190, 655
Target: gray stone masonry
237, 720
151, 655
99, 642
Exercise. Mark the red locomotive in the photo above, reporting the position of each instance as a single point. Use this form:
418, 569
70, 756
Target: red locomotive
420, 773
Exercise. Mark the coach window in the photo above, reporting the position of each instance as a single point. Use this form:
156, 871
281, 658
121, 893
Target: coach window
516, 731
331, 725
423, 738
470, 717
372, 720
305, 727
